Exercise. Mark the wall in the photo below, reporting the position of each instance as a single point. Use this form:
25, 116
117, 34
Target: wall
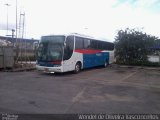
153, 58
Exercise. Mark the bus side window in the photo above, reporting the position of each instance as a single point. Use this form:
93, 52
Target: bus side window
79, 43
68, 49
87, 44
108, 46
94, 44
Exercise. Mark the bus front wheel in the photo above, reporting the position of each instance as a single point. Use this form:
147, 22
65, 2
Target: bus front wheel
77, 68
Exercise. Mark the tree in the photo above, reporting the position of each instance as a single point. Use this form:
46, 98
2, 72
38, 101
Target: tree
132, 46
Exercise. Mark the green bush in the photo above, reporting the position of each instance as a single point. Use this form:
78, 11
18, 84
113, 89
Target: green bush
133, 46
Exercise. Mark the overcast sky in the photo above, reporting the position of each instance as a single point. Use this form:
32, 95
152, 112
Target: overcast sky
98, 18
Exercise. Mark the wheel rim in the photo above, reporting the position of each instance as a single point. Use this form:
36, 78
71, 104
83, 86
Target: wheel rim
105, 65
77, 68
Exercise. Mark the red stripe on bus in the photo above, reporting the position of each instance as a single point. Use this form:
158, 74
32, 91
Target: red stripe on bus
88, 51
56, 62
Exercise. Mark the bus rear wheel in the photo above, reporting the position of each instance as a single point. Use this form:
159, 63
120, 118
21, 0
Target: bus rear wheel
77, 68
105, 64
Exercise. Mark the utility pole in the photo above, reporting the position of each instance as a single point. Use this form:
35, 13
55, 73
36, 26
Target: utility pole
21, 34
16, 43
7, 17
16, 24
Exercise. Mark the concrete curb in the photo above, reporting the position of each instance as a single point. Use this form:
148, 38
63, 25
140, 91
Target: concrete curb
23, 69
19, 69
137, 67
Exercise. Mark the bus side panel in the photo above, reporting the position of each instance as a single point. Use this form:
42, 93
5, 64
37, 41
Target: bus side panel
69, 65
91, 60
106, 57
88, 60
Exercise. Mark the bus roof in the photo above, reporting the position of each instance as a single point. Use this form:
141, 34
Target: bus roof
79, 35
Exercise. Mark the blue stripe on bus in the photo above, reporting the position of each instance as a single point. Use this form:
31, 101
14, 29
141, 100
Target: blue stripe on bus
92, 60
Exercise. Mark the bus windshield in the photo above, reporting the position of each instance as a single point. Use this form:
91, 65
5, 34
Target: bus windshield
51, 48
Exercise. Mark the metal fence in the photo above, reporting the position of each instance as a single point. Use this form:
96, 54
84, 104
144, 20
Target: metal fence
6, 57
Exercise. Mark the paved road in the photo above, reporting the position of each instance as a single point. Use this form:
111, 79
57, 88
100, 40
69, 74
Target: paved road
105, 90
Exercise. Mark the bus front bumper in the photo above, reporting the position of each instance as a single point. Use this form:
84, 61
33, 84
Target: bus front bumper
49, 69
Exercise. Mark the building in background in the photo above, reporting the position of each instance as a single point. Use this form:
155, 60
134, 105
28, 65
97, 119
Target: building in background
29, 44
24, 49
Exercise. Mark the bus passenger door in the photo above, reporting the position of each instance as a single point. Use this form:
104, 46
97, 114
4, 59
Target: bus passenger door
68, 61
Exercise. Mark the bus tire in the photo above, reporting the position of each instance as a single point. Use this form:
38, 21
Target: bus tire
77, 67
105, 64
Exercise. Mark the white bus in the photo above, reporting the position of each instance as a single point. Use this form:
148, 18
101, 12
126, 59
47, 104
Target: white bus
73, 52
